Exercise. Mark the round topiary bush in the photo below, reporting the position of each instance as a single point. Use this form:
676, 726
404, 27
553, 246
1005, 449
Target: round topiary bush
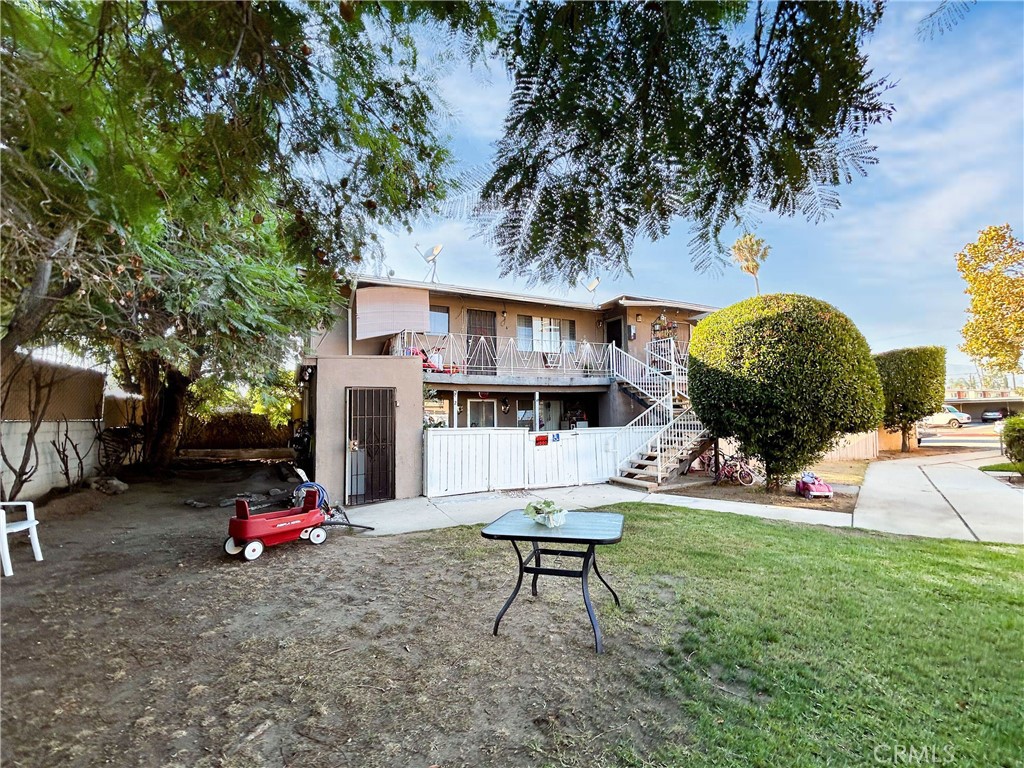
786, 375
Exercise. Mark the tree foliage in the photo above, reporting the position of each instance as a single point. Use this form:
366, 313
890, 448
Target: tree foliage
750, 252
993, 266
169, 165
787, 376
913, 381
625, 116
1013, 440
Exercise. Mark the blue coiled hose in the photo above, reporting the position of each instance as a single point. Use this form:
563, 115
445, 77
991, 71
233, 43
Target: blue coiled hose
323, 498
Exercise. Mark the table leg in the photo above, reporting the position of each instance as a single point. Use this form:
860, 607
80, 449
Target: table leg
588, 561
536, 557
519, 583
605, 582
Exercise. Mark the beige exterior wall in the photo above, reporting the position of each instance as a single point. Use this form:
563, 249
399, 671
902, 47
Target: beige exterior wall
335, 340
590, 324
893, 441
334, 376
645, 325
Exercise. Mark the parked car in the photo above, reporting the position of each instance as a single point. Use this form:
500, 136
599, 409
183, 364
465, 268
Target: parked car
994, 414
948, 416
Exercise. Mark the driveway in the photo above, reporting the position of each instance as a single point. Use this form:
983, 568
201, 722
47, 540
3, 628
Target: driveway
941, 497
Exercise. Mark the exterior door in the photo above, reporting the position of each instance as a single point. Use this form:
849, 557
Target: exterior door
482, 330
613, 332
371, 445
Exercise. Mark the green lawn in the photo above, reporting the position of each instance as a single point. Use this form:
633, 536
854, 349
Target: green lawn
1006, 466
788, 645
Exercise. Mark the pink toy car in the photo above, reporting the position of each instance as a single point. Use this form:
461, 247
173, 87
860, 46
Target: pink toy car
810, 486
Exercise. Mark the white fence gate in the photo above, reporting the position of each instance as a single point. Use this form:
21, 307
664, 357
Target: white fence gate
471, 460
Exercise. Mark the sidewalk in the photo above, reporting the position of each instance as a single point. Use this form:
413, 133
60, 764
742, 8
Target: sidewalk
941, 497
422, 514
936, 496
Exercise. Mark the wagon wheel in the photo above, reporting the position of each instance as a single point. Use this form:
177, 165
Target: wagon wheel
253, 549
317, 536
231, 546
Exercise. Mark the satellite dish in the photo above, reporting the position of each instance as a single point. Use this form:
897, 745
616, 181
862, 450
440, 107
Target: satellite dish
591, 286
431, 259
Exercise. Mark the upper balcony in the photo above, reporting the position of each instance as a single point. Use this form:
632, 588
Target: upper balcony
467, 359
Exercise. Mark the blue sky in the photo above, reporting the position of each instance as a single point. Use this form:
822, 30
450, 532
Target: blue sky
951, 162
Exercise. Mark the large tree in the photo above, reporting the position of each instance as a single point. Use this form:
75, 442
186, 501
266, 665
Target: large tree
993, 266
158, 155
627, 116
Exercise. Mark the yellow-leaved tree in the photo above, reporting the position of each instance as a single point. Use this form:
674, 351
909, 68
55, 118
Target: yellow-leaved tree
993, 266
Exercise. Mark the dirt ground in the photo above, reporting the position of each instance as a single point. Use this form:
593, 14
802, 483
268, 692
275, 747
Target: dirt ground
840, 502
139, 642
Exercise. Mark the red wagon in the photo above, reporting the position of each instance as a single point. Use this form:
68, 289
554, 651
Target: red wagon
249, 534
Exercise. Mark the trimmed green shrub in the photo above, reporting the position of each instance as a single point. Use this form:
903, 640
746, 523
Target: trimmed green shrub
239, 430
1013, 441
787, 376
914, 383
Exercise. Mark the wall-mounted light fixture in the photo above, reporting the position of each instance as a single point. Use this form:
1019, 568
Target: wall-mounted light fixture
639, 318
504, 314
458, 409
505, 405
600, 323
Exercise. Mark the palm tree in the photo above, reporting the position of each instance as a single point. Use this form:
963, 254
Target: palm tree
749, 252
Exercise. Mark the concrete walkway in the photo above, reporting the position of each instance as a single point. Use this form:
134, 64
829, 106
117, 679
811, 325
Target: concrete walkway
937, 496
422, 514
941, 497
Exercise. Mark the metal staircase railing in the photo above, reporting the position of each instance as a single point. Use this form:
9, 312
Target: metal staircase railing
669, 358
662, 430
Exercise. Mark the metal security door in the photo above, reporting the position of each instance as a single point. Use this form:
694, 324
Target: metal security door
371, 446
482, 328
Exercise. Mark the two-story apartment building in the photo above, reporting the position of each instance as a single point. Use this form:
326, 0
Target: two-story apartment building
404, 356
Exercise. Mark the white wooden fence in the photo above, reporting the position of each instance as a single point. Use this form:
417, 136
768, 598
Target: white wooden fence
863, 445
472, 460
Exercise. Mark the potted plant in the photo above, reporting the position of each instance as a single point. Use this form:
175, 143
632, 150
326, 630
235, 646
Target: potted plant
545, 513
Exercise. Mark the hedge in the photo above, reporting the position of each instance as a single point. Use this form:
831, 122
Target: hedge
1013, 440
787, 376
914, 383
239, 430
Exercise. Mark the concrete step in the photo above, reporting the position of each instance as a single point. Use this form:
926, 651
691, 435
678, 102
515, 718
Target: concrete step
633, 483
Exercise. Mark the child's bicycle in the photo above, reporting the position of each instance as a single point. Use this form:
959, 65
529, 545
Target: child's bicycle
737, 470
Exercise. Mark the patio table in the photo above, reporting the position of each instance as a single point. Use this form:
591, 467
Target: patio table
581, 528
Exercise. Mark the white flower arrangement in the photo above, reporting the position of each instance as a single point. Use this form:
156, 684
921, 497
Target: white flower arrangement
546, 513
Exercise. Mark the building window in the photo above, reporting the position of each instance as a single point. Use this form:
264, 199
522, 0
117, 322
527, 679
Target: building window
524, 413
438, 319
545, 334
482, 413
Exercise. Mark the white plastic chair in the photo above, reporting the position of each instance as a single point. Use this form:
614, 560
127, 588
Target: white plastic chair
29, 524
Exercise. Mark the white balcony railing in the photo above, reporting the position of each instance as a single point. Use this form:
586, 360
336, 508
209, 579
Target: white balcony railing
457, 353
